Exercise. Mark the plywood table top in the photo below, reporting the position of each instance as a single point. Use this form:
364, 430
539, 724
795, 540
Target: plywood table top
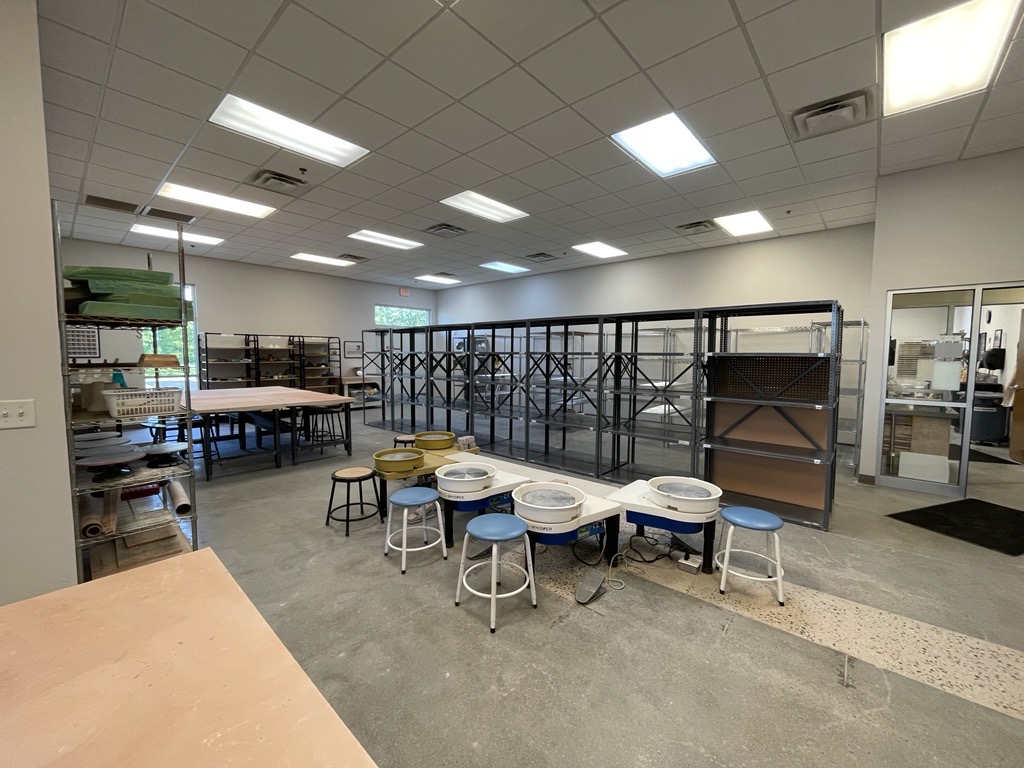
165, 665
261, 399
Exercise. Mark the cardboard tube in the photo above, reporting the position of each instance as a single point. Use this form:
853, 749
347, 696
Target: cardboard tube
179, 499
88, 519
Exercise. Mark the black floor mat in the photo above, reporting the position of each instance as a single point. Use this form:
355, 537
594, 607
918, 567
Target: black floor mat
973, 455
988, 525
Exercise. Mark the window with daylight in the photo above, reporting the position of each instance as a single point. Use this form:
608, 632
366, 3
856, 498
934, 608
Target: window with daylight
168, 342
400, 317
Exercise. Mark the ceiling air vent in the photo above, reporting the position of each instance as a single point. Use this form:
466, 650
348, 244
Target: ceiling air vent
445, 230
832, 115
539, 257
110, 204
156, 213
697, 227
276, 181
352, 257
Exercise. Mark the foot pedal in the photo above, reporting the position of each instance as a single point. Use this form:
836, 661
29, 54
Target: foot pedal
590, 587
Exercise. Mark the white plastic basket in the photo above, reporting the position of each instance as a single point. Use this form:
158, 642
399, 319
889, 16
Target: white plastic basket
123, 403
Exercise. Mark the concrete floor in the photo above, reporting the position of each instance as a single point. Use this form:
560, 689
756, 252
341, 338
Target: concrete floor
645, 676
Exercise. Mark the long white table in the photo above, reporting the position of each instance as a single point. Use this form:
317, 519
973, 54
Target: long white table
251, 400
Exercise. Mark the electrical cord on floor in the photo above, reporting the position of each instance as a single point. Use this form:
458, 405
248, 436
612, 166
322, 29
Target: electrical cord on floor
600, 551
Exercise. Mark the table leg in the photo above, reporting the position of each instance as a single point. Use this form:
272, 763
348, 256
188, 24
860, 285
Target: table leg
611, 537
348, 429
241, 430
277, 438
708, 562
449, 522
208, 445
293, 415
639, 530
382, 499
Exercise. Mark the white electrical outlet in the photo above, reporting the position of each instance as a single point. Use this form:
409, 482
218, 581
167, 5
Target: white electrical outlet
17, 414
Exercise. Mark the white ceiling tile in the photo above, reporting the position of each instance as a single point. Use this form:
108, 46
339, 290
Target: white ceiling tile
1013, 65
505, 189
859, 197
575, 191
710, 68
623, 105
759, 164
1000, 130
537, 203
626, 215
800, 230
451, 56
563, 215
896, 13
642, 226
152, 82
146, 116
161, 37
73, 52
976, 150
647, 193
69, 122
240, 21
95, 18
380, 25
849, 212
384, 170
921, 122
653, 30
834, 74
524, 27
599, 155
313, 172
559, 132
69, 91
804, 29
119, 160
839, 143
702, 178
751, 9
784, 212
221, 141
375, 210
512, 100
623, 177
204, 181
850, 222
741, 106
140, 184
66, 146
581, 63
417, 150
677, 208
362, 186
714, 195
310, 210
354, 122
466, 172
841, 184
200, 160
63, 181
1004, 100
272, 86
508, 154
301, 42
400, 199
756, 137
137, 142
791, 196
604, 204
460, 128
857, 162
398, 95
946, 142
430, 187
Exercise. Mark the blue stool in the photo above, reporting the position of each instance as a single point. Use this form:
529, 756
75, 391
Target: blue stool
752, 519
497, 529
407, 499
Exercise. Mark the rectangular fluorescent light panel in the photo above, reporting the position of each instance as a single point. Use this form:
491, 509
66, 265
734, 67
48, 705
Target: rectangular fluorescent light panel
392, 242
478, 205
332, 261
740, 224
501, 266
441, 280
664, 145
945, 55
188, 237
600, 250
261, 123
211, 200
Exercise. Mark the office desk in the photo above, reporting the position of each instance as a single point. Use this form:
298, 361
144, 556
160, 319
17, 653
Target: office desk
273, 400
168, 665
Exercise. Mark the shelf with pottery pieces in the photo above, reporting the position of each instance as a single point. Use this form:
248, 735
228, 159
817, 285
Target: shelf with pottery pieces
85, 481
644, 512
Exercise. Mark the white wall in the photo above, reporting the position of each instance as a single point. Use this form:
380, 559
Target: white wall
233, 297
944, 225
834, 264
1007, 318
37, 552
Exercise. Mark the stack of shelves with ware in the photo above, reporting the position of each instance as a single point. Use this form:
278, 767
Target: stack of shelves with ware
771, 418
376, 370
319, 363
132, 490
278, 362
226, 360
649, 384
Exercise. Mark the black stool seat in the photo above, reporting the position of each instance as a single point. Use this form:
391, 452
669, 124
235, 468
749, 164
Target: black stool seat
350, 476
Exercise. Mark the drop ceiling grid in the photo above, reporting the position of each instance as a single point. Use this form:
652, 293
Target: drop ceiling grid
452, 117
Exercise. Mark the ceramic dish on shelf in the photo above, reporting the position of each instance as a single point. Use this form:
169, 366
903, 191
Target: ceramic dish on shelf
108, 459
684, 494
548, 502
102, 450
91, 437
398, 459
434, 440
465, 477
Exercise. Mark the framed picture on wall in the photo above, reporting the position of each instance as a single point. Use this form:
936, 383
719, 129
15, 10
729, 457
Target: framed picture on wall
353, 349
982, 342
997, 339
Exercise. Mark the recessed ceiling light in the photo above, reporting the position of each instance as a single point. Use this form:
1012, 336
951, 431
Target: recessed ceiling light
388, 240
501, 266
740, 224
261, 123
600, 250
945, 55
436, 279
331, 260
211, 200
478, 205
664, 145
188, 237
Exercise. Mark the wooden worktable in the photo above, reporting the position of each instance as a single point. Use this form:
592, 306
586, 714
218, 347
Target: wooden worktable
164, 665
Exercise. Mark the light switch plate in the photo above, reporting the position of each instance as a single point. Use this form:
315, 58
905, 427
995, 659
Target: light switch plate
17, 414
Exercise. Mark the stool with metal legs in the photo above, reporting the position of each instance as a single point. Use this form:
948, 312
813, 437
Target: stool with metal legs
497, 529
403, 502
348, 476
405, 441
752, 519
